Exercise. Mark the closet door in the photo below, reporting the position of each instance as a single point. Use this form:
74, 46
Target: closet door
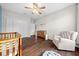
77, 41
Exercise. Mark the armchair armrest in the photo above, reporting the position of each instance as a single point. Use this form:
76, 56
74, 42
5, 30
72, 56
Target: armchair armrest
58, 38
66, 42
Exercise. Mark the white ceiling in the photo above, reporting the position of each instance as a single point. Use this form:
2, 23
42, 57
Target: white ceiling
50, 8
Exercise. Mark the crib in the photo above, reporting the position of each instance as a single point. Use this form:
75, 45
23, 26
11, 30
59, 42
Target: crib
10, 44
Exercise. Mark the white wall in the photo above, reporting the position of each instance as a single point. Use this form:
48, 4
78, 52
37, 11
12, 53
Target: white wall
18, 23
0, 19
62, 20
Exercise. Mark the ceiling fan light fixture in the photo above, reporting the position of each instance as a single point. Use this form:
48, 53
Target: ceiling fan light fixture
35, 11
36, 8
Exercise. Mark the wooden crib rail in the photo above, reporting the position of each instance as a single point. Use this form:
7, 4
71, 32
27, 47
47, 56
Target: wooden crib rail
11, 37
8, 35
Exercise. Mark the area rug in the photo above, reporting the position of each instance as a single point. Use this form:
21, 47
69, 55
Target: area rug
50, 53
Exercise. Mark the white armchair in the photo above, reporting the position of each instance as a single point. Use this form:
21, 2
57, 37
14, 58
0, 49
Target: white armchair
65, 40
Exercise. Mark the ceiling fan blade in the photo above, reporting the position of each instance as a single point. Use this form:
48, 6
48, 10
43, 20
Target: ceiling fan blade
42, 7
28, 7
39, 11
35, 4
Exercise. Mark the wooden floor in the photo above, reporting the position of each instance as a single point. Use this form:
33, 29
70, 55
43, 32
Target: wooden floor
36, 48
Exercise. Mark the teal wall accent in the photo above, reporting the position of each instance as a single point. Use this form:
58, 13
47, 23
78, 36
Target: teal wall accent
0, 19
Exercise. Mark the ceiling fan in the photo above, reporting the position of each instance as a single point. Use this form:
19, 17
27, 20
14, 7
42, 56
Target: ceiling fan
36, 8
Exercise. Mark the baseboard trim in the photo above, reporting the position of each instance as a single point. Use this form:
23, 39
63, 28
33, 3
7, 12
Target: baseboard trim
29, 37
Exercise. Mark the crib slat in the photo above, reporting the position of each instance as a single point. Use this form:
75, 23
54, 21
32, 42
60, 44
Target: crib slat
6, 36
7, 49
13, 48
10, 35
10, 48
3, 49
2, 36
16, 47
